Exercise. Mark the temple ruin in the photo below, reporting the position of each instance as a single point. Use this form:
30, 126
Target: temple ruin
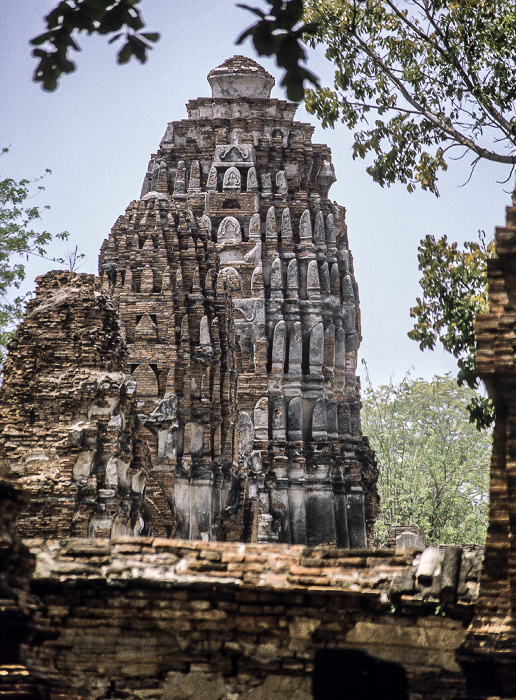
237, 299
208, 438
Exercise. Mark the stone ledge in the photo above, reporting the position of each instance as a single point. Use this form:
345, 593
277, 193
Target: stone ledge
385, 578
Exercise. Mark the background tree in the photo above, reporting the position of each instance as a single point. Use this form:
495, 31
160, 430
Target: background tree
119, 19
434, 465
426, 78
18, 240
454, 285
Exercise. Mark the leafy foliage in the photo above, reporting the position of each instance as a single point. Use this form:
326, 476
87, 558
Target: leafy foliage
18, 240
434, 465
120, 18
422, 77
454, 284
280, 33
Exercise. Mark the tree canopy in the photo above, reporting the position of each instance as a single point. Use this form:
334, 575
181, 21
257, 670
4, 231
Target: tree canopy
454, 285
419, 81
434, 465
118, 19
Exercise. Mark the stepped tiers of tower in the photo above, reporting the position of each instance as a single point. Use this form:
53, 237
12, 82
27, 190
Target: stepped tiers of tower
239, 306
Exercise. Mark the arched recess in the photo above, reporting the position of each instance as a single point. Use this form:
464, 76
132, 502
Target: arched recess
147, 384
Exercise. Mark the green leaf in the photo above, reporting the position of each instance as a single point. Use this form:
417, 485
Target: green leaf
152, 36
125, 53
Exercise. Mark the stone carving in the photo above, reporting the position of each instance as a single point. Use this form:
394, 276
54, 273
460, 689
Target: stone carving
344, 419
240, 155
313, 283
160, 175
332, 418
232, 179
295, 420
211, 185
194, 185
254, 255
340, 349
286, 227
329, 349
231, 282
348, 293
331, 240
281, 182
319, 232
278, 347
204, 333
270, 226
229, 230
295, 353
246, 433
305, 228
335, 280
319, 421
254, 228
205, 225
316, 349
279, 419
266, 183
293, 277
180, 181
276, 275
257, 285
193, 439
324, 277
261, 419
252, 180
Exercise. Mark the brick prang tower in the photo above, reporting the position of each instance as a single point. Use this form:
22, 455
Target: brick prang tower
239, 305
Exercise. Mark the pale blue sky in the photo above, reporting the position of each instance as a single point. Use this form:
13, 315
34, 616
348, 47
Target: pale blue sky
98, 130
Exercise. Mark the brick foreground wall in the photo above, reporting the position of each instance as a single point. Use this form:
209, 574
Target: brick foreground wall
154, 618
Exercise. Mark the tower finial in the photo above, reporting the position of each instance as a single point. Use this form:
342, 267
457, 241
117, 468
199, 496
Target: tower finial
240, 77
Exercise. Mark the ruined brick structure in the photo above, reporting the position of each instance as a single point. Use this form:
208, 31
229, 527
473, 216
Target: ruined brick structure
489, 652
68, 426
238, 302
159, 619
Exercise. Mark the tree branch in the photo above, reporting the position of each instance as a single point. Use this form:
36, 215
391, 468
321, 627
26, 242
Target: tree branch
431, 116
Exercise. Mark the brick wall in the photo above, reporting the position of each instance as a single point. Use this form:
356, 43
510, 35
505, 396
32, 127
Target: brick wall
152, 618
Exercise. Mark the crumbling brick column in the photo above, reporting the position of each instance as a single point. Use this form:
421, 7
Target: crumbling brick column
488, 655
68, 425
